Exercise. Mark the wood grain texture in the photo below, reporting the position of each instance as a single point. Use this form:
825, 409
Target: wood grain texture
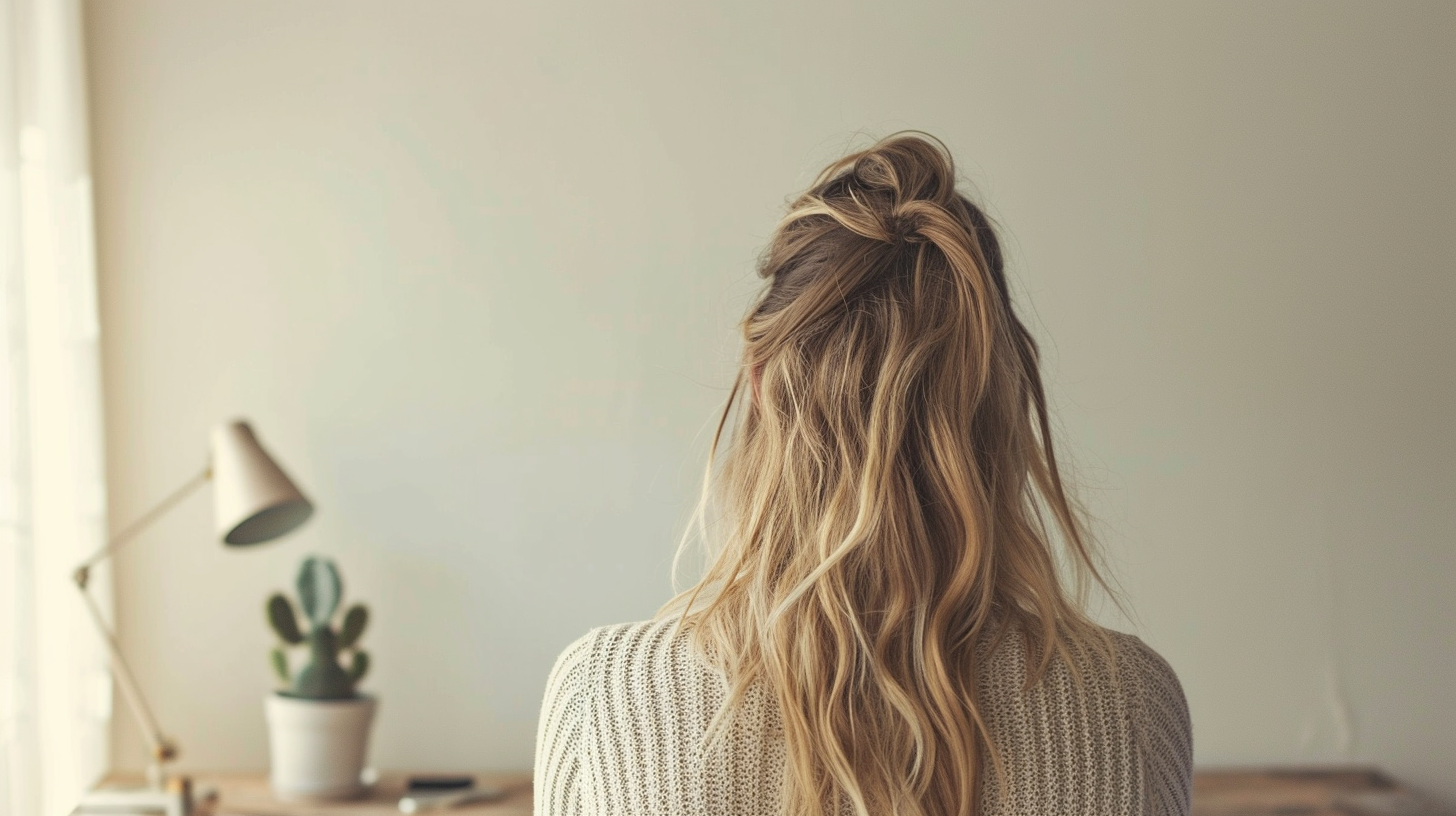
1330, 791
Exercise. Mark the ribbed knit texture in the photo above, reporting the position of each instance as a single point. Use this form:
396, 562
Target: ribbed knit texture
627, 706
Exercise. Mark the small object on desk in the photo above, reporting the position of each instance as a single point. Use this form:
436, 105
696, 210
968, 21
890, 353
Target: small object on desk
437, 782
415, 802
173, 799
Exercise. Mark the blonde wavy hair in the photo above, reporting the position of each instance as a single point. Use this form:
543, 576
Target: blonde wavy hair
883, 507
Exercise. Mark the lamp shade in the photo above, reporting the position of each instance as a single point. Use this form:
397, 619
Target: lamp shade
254, 500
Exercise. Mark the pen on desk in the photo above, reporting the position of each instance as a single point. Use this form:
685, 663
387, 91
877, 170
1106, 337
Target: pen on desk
417, 802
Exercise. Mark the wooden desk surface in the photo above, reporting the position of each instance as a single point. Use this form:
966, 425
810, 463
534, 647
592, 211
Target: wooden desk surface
247, 794
1292, 791
1309, 791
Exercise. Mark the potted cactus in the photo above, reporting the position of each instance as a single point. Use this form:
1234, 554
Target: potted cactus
318, 724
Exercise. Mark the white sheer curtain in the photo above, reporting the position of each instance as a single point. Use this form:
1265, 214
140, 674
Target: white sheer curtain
54, 690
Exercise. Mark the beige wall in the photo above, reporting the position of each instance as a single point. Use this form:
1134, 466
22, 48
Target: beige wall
472, 268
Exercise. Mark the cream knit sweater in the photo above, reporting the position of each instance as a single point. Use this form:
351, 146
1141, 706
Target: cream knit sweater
627, 706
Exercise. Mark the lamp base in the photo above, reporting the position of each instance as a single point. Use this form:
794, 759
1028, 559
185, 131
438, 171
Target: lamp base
175, 799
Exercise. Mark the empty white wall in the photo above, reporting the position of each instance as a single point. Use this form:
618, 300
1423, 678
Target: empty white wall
472, 268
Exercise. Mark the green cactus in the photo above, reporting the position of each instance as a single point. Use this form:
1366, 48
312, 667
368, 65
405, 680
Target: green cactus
323, 677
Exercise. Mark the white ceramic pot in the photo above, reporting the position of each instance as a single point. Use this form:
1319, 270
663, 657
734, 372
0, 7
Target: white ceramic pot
318, 747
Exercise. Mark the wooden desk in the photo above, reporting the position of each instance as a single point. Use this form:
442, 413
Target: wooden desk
1333, 791
1342, 791
247, 794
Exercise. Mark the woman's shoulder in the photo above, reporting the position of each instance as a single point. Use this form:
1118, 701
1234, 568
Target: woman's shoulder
1129, 661
1147, 666
644, 636
1163, 726
631, 647
1125, 698
1130, 677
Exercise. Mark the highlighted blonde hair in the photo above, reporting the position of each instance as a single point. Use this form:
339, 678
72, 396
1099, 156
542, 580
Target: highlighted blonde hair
884, 502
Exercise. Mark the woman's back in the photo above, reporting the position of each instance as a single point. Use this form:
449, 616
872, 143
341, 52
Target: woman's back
627, 709
891, 616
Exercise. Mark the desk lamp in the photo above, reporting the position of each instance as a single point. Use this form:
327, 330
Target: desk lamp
254, 501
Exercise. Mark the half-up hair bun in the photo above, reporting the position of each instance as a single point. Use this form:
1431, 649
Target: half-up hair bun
890, 190
887, 216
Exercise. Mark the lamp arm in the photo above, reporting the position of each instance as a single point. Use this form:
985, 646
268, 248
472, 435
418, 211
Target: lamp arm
163, 749
147, 519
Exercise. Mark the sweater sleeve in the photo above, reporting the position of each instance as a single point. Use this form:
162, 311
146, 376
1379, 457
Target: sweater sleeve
1164, 731
557, 778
